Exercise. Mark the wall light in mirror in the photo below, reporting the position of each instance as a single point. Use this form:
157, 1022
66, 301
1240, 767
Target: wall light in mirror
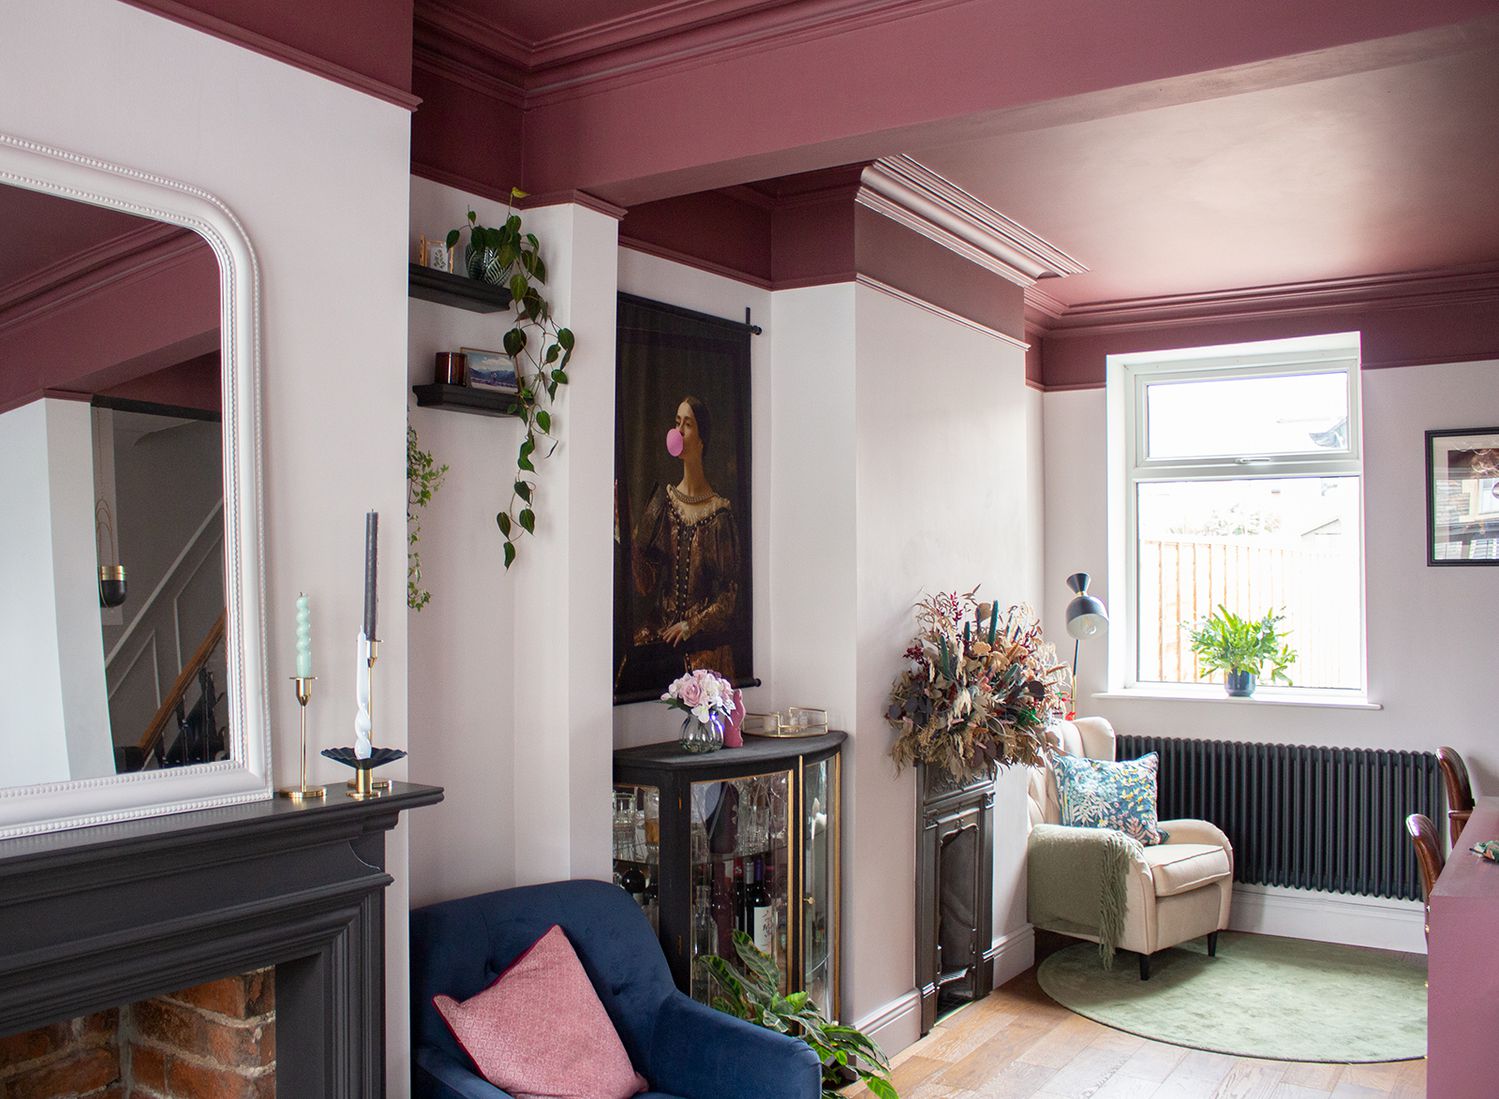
111, 585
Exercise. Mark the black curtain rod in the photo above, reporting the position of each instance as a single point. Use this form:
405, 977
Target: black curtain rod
693, 314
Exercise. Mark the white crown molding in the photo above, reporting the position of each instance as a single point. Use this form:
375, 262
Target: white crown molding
910, 193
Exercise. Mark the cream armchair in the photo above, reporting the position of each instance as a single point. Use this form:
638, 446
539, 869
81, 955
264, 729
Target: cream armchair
1176, 890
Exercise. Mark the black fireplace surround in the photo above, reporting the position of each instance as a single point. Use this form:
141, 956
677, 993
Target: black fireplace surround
95, 918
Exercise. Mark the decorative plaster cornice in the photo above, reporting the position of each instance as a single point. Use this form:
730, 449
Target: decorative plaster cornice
139, 252
923, 201
662, 252
1472, 285
672, 35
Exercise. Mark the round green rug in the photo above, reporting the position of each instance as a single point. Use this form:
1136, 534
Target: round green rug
1262, 996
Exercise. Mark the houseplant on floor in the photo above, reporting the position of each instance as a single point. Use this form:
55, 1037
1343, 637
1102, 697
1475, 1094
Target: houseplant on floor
1242, 648
751, 990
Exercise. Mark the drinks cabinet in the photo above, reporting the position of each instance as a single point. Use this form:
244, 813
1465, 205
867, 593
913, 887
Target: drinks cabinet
745, 838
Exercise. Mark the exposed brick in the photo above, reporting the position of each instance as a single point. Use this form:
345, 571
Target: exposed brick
88, 1071
240, 997
188, 1029
148, 1067
186, 1080
101, 1026
31, 1044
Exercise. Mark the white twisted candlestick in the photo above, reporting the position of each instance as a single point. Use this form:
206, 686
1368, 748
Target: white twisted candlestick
362, 720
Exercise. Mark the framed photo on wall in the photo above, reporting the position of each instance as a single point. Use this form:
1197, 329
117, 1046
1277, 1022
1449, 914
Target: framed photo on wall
1462, 496
682, 584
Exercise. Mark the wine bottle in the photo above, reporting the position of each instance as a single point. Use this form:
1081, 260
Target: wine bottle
704, 942
740, 912
761, 916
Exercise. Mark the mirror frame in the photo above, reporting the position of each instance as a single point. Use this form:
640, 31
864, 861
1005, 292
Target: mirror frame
246, 776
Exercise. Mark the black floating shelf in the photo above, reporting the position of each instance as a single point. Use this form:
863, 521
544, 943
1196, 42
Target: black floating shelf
449, 289
460, 398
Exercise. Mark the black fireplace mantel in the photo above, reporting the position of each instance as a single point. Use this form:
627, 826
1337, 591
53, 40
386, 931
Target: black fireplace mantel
98, 917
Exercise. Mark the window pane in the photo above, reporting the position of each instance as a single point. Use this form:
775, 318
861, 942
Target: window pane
1234, 417
1290, 544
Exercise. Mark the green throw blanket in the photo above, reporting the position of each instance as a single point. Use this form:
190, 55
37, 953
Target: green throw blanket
1076, 878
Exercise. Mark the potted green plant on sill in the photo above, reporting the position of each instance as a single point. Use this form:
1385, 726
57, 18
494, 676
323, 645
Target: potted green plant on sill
1242, 648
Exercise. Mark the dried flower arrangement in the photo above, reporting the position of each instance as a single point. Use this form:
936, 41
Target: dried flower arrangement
979, 690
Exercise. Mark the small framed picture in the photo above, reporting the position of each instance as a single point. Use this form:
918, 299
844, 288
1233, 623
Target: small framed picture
1462, 496
435, 254
492, 370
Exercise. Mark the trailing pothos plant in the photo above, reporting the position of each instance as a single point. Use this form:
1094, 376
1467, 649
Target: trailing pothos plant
752, 991
423, 479
506, 255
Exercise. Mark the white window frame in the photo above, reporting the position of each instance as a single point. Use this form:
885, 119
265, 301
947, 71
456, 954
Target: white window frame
1130, 466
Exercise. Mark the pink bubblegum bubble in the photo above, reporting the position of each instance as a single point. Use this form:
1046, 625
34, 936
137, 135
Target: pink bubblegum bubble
674, 443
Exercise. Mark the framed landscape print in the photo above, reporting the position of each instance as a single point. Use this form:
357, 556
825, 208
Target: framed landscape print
1462, 496
681, 499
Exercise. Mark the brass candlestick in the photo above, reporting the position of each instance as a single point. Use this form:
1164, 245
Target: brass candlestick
364, 784
303, 792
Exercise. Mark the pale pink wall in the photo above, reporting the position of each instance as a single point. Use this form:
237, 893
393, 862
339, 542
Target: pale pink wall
163, 98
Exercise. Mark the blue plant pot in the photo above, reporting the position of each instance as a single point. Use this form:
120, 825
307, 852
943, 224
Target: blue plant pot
1240, 684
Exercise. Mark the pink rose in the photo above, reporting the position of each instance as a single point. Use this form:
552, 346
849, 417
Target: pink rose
690, 693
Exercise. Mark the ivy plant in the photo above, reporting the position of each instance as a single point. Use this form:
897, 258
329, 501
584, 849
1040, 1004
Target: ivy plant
751, 990
506, 255
423, 479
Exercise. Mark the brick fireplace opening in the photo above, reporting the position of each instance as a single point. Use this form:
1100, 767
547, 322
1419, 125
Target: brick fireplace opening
290, 896
211, 1041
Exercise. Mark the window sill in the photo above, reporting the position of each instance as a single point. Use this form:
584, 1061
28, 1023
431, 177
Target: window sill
1328, 700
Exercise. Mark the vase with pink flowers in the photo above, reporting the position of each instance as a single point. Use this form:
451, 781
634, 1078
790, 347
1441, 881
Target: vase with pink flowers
707, 699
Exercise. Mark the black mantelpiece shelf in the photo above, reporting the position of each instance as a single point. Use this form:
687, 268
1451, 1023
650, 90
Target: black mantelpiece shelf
462, 398
446, 288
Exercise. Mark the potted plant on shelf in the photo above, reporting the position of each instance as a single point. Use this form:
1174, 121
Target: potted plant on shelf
1242, 648
506, 255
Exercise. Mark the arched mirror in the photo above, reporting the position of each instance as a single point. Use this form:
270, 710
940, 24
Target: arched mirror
131, 651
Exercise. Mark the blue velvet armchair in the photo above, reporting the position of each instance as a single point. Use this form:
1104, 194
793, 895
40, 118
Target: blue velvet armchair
684, 1049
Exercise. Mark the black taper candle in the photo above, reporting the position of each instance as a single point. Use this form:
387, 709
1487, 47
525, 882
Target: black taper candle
371, 530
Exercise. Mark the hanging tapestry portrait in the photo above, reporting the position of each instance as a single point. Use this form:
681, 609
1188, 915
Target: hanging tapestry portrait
681, 499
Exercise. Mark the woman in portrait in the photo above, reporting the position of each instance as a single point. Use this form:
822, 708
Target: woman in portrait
686, 559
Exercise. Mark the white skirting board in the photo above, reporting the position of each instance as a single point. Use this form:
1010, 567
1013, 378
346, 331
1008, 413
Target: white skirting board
1013, 953
895, 1025
1329, 917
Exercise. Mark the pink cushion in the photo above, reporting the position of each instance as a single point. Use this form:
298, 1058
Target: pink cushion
540, 1032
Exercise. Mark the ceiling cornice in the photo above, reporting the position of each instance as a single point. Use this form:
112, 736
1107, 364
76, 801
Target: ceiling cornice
673, 35
130, 255
1470, 285
910, 193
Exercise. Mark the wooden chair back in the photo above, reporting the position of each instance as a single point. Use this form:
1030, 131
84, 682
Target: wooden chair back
1459, 791
1428, 846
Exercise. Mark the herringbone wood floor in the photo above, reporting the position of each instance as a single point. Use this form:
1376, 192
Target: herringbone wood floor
1019, 1044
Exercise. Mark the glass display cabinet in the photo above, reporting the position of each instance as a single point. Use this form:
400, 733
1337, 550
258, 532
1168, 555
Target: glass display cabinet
745, 838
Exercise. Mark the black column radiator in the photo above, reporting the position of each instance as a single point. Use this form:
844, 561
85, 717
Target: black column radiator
1331, 819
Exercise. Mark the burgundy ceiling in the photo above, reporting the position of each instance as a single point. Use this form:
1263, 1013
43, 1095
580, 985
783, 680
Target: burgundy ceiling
1360, 174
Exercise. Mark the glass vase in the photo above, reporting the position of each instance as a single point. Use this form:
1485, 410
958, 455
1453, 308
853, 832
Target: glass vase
701, 736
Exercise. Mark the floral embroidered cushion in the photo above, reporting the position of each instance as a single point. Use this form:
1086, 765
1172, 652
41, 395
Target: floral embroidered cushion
1100, 793
540, 1031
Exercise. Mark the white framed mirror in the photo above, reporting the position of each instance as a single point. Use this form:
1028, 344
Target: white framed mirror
132, 649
